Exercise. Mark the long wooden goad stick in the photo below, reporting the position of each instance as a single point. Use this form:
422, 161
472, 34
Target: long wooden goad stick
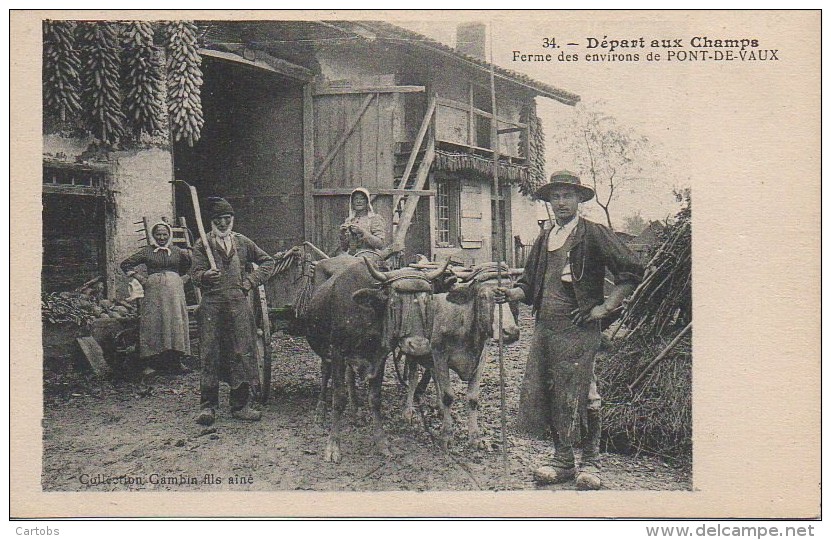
196, 209
500, 251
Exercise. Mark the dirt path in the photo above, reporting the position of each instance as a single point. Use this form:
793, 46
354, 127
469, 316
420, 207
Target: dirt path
137, 436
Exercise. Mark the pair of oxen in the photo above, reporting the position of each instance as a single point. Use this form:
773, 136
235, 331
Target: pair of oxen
358, 314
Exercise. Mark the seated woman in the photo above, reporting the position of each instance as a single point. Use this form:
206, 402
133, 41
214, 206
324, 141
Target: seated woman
366, 229
163, 328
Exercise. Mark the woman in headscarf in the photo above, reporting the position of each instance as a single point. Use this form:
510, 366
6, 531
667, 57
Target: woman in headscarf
365, 228
163, 329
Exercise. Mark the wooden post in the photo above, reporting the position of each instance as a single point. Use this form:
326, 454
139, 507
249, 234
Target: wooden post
412, 200
422, 131
471, 120
308, 162
528, 135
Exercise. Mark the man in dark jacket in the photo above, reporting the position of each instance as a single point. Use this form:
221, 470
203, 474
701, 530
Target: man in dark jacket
564, 282
226, 322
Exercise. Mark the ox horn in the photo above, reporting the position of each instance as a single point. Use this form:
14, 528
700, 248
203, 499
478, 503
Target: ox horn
374, 272
436, 273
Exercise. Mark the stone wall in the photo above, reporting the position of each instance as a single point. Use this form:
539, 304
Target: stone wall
138, 186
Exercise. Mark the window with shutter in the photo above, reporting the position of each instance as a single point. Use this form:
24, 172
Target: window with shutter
472, 235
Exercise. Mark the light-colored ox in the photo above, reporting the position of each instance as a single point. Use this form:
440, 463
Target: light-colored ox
463, 321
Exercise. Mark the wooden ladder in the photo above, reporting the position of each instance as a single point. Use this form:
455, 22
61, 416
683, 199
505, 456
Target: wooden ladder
404, 206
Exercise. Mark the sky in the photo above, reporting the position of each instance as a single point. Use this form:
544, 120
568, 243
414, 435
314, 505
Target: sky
647, 98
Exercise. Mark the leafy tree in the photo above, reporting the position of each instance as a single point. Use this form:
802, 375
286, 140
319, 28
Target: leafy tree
634, 224
611, 158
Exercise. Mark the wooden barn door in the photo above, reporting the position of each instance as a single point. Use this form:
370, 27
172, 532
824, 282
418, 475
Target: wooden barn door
353, 147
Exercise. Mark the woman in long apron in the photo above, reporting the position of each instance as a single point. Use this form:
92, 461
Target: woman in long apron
163, 329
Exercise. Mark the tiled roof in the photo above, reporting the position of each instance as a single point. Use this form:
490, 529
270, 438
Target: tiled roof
391, 31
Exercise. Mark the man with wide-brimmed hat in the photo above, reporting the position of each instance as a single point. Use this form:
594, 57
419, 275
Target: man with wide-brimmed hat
226, 322
564, 282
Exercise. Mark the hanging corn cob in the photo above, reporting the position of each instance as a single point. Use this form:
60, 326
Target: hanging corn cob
61, 87
536, 149
101, 93
142, 78
184, 80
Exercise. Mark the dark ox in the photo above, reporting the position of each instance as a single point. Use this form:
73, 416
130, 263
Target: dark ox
346, 325
323, 271
463, 321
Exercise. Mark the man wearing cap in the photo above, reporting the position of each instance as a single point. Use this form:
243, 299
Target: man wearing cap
564, 282
226, 322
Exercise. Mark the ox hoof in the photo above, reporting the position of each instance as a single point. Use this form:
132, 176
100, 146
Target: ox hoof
478, 443
320, 414
354, 411
445, 444
332, 453
384, 448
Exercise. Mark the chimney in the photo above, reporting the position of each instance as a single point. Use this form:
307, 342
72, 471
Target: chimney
470, 39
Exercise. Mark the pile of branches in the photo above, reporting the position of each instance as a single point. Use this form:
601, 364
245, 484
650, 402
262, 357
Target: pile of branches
646, 378
662, 303
81, 309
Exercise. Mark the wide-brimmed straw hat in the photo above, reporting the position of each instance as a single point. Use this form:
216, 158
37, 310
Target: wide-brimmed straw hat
565, 178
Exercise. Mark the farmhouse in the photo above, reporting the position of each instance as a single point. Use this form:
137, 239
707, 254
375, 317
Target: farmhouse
296, 115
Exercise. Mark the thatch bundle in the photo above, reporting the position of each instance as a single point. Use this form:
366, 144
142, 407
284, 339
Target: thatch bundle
646, 378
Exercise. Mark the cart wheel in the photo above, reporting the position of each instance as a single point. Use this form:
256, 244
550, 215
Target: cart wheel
263, 344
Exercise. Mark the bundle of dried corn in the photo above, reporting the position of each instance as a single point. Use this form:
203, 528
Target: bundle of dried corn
142, 81
80, 309
61, 65
184, 82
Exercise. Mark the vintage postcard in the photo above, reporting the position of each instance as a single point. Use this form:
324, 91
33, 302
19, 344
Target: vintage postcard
415, 263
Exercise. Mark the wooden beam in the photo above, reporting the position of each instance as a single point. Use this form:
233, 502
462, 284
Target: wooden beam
510, 130
336, 90
308, 162
422, 131
343, 138
68, 189
412, 201
263, 61
94, 355
377, 136
471, 122
330, 192
453, 104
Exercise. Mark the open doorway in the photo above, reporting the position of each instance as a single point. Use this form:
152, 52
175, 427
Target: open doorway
251, 153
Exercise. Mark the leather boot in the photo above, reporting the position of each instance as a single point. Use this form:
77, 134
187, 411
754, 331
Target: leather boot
206, 417
589, 476
247, 413
561, 469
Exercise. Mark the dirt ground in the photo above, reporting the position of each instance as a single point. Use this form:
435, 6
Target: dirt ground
141, 435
